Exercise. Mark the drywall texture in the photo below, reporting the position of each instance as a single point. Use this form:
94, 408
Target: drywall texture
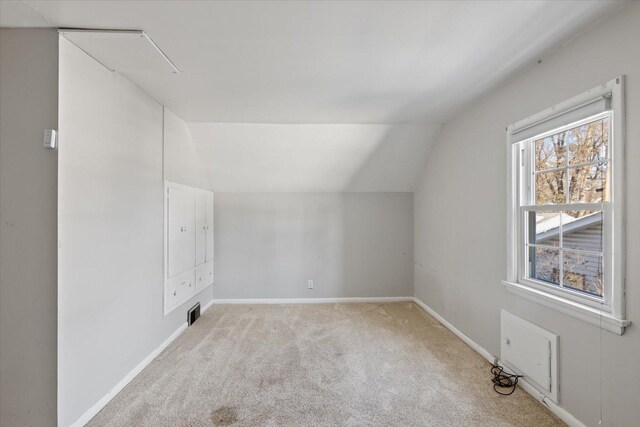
313, 158
460, 223
110, 230
28, 227
349, 244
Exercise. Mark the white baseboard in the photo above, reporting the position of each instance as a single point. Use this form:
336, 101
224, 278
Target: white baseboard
206, 306
87, 416
91, 412
310, 300
552, 406
484, 353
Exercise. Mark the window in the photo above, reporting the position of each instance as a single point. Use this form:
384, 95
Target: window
565, 206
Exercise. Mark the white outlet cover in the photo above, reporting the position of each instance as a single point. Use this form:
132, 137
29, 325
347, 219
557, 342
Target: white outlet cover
49, 138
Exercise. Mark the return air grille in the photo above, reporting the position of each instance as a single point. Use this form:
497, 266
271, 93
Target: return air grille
530, 351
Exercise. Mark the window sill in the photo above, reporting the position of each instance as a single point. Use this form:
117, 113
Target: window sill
583, 312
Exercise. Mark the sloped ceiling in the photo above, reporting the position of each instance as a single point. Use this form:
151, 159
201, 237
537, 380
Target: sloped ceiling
323, 61
320, 95
313, 157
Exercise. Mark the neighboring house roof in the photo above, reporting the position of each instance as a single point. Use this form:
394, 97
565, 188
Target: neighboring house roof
550, 226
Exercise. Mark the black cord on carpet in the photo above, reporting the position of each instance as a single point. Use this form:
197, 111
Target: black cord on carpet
503, 380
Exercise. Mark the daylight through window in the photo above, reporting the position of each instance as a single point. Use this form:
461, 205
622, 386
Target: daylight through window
566, 231
569, 174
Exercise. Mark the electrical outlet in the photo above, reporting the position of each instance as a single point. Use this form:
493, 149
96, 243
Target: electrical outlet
309, 284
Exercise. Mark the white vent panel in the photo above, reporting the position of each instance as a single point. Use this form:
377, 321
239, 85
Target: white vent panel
531, 351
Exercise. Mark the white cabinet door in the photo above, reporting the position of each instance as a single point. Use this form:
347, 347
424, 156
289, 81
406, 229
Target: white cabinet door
204, 276
209, 237
201, 227
181, 233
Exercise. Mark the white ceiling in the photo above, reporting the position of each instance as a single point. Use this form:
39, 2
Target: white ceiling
322, 96
122, 51
325, 62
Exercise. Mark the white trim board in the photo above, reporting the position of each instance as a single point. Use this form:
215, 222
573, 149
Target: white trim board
258, 301
97, 407
484, 353
559, 411
206, 307
591, 315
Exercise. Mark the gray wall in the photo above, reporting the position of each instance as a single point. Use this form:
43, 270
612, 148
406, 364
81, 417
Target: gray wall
460, 222
28, 227
111, 230
351, 244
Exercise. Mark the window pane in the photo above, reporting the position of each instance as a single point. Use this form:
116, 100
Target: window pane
588, 184
544, 228
550, 188
589, 142
582, 230
550, 152
545, 264
583, 272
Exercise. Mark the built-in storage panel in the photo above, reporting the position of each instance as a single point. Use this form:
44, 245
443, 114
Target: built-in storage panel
201, 225
204, 276
209, 229
181, 222
180, 288
188, 243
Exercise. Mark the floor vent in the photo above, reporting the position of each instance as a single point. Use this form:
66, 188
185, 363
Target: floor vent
193, 314
530, 351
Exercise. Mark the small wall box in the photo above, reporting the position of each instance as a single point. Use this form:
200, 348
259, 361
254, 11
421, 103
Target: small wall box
50, 138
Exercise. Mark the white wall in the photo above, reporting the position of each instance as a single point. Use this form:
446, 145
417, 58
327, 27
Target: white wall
460, 222
182, 162
28, 227
110, 229
350, 244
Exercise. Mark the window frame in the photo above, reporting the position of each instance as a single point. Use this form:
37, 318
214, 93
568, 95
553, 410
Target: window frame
607, 312
526, 203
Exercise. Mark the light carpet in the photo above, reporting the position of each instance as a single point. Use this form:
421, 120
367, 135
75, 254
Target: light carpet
375, 364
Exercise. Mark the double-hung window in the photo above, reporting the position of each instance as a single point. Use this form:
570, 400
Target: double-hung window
565, 208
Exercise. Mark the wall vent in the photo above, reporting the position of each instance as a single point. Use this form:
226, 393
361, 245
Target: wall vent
193, 314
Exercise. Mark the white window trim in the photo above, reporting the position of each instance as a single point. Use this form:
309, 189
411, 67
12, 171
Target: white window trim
610, 317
